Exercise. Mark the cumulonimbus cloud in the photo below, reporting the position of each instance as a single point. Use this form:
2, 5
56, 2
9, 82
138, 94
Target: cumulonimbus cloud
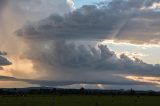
121, 20
134, 21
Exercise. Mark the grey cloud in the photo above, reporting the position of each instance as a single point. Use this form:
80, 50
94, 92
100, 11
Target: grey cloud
81, 23
64, 83
126, 5
2, 6
120, 20
2, 3
38, 9
7, 78
67, 61
3, 61
62, 56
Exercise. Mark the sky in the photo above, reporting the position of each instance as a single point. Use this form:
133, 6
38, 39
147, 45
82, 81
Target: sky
104, 44
80, 3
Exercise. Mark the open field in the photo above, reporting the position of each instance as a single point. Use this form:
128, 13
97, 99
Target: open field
79, 100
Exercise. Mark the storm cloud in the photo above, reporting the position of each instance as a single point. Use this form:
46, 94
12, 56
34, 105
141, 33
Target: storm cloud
48, 40
72, 60
131, 21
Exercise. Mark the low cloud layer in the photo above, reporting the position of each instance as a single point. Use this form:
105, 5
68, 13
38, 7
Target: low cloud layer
131, 21
65, 83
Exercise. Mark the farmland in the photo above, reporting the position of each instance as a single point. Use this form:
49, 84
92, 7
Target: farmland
78, 100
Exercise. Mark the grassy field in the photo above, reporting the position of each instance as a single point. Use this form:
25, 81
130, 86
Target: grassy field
78, 100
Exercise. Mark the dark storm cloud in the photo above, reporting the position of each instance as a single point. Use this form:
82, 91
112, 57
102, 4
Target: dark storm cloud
86, 22
126, 20
67, 56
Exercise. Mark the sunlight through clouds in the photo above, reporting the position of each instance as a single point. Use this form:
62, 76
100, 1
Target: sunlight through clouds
80, 40
152, 80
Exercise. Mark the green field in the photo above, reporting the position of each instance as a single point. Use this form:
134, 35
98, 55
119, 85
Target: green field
78, 100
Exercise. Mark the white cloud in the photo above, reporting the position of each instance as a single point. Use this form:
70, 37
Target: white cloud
71, 3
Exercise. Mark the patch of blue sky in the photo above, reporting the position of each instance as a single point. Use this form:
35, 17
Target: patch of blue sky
79, 3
